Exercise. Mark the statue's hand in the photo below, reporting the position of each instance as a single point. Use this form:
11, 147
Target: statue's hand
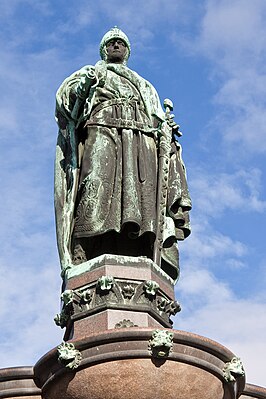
175, 127
86, 81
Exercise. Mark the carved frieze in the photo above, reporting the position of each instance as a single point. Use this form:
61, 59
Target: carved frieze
108, 292
151, 287
105, 283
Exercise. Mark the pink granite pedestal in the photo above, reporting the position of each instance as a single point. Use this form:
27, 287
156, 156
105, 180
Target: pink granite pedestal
253, 391
119, 364
114, 310
18, 382
139, 294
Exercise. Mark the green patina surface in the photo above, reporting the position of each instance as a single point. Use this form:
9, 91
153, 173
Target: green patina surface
161, 343
109, 171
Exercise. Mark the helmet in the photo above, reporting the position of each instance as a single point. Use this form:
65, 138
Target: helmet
114, 33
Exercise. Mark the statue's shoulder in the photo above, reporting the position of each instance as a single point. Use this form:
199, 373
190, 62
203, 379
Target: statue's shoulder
140, 78
145, 84
78, 74
67, 85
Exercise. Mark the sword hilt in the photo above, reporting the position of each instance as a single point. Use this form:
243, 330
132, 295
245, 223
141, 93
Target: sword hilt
168, 106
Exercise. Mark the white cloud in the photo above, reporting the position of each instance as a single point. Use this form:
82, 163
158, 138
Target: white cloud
28, 299
155, 16
206, 244
8, 119
232, 36
233, 32
29, 265
10, 7
217, 192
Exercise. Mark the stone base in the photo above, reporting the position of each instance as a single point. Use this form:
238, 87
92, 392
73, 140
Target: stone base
121, 364
18, 382
103, 293
253, 391
112, 261
137, 378
108, 320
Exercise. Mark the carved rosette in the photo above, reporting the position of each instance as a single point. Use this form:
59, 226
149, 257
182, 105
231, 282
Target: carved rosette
125, 324
110, 293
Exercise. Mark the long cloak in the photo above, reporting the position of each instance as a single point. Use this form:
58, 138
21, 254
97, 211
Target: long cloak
71, 114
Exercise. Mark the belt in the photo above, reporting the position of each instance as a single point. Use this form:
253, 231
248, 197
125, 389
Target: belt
116, 101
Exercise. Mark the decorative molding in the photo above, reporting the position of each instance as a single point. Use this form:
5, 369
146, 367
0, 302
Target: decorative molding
107, 259
172, 308
68, 297
161, 343
125, 324
105, 283
151, 287
169, 307
233, 369
161, 304
61, 319
86, 296
110, 293
68, 355
128, 291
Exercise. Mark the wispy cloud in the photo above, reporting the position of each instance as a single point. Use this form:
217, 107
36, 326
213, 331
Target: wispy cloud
206, 244
28, 299
29, 267
232, 36
35, 58
10, 7
217, 192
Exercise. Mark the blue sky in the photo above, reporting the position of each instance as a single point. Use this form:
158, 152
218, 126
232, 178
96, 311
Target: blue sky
209, 57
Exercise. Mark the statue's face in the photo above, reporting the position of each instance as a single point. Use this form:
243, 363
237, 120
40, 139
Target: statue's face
116, 51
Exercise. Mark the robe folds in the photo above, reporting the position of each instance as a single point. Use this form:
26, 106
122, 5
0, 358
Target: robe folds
107, 169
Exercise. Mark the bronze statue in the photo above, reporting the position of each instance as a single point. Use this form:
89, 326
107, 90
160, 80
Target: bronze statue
109, 165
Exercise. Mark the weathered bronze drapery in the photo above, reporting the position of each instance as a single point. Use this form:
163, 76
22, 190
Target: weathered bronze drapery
106, 176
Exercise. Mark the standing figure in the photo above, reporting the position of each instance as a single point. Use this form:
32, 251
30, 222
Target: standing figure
110, 120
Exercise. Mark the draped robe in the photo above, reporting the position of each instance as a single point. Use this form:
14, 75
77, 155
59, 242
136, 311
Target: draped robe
107, 168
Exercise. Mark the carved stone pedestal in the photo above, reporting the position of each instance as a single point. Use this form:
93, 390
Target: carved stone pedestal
143, 364
253, 391
116, 311
118, 344
18, 382
115, 292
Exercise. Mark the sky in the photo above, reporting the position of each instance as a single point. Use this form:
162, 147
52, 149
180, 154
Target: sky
209, 58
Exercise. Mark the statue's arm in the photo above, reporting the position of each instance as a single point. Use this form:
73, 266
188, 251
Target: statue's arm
72, 93
66, 163
78, 89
